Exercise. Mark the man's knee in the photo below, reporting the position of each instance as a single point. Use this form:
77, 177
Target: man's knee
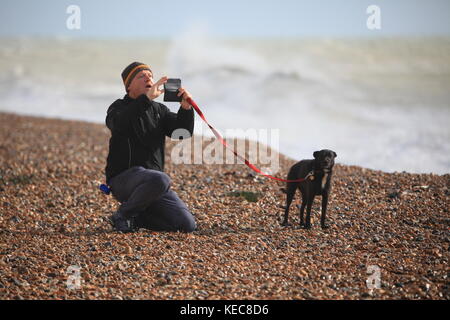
159, 181
164, 181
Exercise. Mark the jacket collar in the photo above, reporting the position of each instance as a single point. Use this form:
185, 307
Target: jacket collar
127, 98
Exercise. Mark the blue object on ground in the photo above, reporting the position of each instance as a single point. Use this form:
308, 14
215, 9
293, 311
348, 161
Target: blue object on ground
105, 189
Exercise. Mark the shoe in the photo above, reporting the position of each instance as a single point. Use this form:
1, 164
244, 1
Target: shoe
122, 224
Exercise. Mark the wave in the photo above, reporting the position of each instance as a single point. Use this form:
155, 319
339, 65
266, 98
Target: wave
382, 104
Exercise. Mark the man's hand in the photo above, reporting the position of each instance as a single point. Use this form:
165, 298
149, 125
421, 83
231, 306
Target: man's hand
155, 90
185, 95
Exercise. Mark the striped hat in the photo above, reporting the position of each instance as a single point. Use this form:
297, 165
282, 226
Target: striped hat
131, 71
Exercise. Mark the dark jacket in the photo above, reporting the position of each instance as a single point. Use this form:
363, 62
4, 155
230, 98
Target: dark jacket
138, 131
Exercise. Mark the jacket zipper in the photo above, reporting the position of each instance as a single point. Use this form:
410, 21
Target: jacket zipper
129, 150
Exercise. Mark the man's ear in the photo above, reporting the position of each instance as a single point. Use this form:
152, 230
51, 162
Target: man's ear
335, 155
316, 154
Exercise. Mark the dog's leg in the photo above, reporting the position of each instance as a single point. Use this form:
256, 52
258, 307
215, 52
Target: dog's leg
302, 210
324, 210
290, 192
308, 210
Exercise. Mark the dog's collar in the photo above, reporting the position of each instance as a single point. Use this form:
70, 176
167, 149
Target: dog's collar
311, 175
320, 170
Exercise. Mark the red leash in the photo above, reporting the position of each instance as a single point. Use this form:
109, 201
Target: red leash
251, 166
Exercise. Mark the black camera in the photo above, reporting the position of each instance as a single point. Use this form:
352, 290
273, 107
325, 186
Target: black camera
171, 90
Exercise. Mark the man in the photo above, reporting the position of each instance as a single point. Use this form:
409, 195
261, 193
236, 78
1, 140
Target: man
135, 162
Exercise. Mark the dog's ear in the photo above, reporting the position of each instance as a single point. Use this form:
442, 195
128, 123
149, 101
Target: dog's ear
316, 154
335, 155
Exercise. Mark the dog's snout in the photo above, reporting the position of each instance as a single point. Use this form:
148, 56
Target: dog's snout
326, 161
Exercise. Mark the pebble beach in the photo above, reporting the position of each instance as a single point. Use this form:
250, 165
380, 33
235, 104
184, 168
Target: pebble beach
388, 236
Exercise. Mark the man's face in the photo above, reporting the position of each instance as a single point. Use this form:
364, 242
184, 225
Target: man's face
140, 84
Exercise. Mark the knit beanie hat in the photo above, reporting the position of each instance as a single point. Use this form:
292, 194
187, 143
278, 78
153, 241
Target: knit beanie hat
131, 71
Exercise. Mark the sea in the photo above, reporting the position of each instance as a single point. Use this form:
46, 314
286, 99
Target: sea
379, 103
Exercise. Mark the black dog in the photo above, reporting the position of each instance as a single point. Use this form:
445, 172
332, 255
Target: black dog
318, 182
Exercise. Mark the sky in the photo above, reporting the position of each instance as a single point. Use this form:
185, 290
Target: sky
230, 18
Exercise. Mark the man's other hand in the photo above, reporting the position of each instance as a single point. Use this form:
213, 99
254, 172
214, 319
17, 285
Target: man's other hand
185, 95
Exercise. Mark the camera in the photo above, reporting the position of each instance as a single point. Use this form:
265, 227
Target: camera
171, 90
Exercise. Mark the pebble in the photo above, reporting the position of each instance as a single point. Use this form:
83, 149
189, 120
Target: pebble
62, 221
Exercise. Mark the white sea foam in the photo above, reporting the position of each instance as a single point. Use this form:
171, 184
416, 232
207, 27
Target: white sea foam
381, 104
